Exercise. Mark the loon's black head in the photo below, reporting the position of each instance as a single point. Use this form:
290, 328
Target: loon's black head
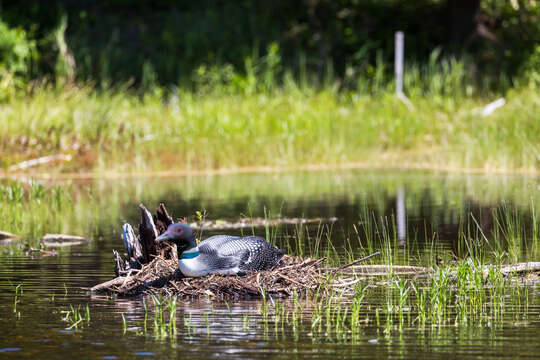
180, 234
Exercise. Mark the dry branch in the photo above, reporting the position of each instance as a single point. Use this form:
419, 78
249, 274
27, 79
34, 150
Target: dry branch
62, 237
39, 161
357, 261
255, 222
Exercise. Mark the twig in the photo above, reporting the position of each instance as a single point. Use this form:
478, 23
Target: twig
314, 262
175, 286
302, 264
108, 285
356, 262
128, 277
74, 324
348, 283
291, 280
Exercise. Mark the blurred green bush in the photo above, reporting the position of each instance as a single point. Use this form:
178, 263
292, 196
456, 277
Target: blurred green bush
16, 54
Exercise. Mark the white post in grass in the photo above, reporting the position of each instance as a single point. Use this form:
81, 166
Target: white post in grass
398, 61
399, 45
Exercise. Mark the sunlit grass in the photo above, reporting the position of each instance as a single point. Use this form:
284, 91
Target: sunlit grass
31, 210
461, 295
117, 130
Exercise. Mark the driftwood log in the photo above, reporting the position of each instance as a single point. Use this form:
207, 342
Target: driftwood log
7, 235
62, 240
250, 223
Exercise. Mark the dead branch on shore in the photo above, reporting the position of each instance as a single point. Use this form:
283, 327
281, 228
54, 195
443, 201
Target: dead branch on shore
255, 222
7, 235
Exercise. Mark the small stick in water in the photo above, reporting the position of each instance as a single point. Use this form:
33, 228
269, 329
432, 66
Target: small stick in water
357, 261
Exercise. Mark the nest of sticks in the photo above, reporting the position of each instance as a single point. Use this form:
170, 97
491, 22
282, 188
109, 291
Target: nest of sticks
153, 269
161, 276
296, 275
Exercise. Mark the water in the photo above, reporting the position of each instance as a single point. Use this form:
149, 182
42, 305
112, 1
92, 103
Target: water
434, 206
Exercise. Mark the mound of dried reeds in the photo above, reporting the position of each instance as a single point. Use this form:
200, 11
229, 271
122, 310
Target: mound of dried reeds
151, 268
161, 276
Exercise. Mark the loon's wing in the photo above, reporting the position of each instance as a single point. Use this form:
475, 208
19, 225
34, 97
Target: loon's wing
253, 252
227, 245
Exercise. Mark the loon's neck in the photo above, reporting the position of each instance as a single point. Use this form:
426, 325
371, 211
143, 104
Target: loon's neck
191, 251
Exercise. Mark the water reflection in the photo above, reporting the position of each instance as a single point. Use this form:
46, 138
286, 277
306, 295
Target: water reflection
429, 214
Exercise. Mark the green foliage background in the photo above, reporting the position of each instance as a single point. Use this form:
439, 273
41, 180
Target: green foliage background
176, 42
186, 86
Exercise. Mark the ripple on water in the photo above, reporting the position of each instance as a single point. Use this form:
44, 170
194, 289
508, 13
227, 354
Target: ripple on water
9, 349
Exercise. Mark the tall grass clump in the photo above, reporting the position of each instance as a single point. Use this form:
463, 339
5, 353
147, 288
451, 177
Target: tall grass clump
164, 325
76, 316
162, 318
31, 210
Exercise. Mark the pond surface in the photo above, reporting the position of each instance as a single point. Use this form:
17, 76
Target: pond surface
426, 215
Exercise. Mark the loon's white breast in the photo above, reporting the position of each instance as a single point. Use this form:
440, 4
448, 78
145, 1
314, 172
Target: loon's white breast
196, 267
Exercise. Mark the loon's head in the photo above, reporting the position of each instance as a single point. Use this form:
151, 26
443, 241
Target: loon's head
180, 234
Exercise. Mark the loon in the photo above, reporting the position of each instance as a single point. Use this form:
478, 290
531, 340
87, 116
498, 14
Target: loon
220, 254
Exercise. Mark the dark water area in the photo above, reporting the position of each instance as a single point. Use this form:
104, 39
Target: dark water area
437, 209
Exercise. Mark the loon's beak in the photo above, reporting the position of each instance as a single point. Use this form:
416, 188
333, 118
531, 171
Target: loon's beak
164, 236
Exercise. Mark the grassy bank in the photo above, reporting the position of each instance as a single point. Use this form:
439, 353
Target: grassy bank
117, 130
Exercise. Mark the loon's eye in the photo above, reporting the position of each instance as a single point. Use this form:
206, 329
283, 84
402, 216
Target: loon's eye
179, 230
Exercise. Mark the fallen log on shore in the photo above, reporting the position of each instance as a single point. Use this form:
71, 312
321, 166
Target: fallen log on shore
248, 223
8, 235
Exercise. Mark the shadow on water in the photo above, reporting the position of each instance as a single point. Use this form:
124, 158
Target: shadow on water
428, 218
